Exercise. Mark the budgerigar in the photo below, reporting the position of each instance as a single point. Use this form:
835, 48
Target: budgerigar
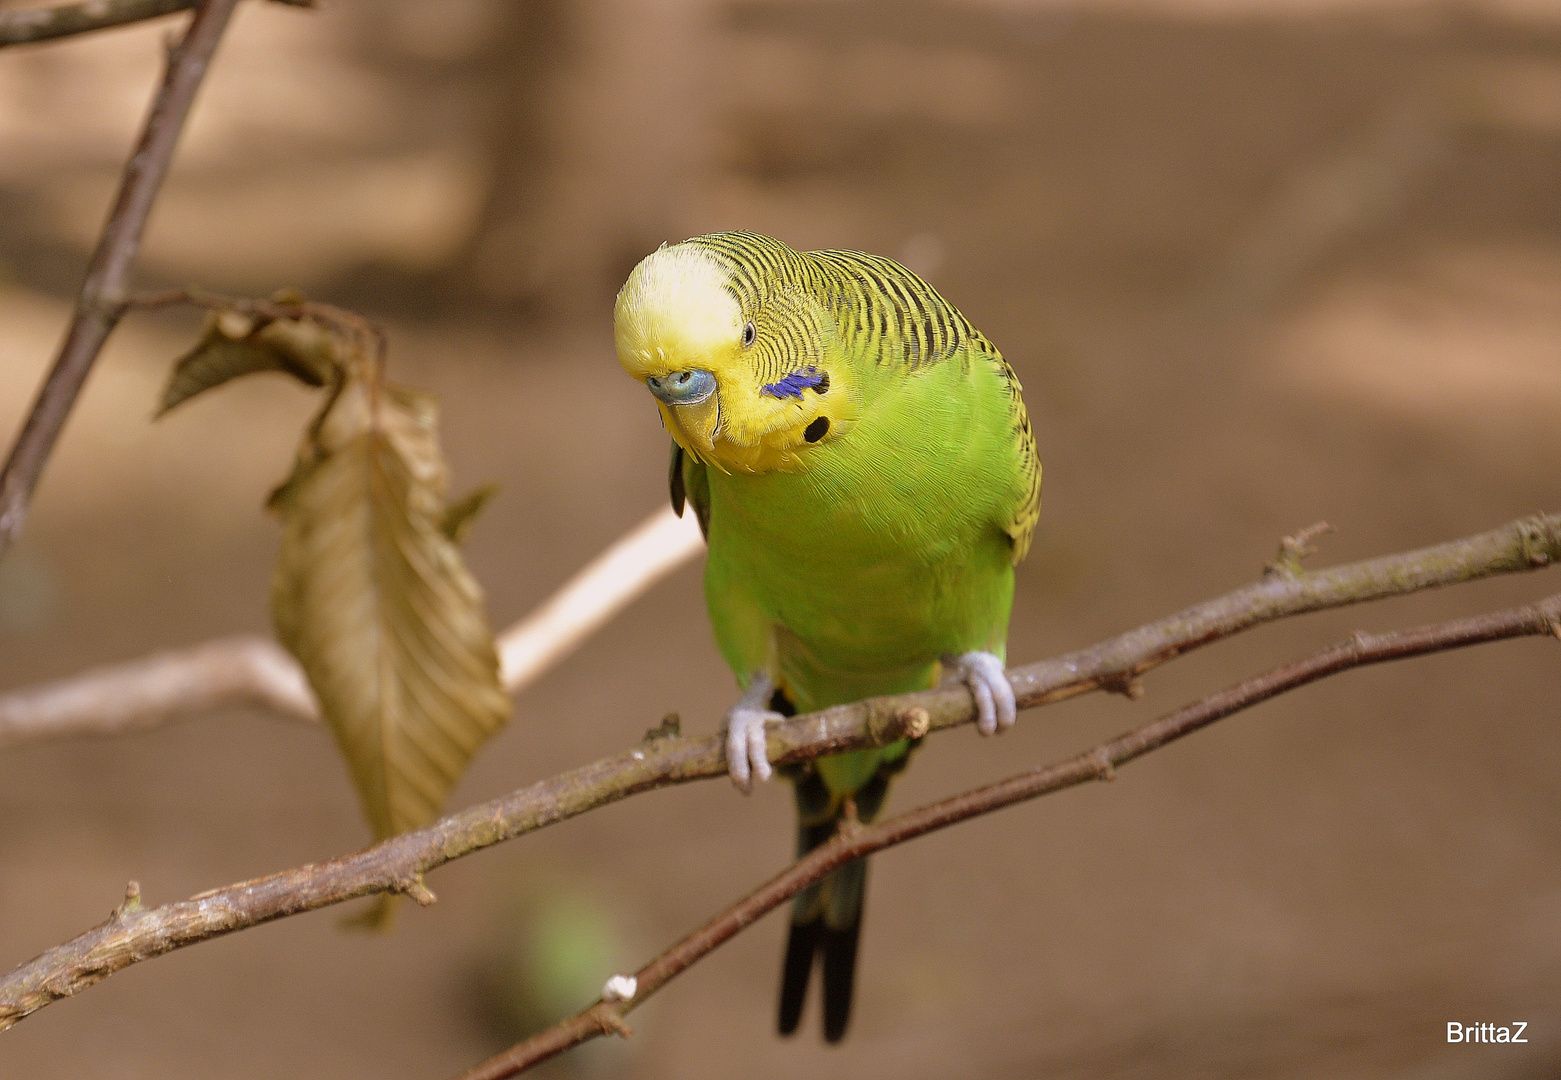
864, 470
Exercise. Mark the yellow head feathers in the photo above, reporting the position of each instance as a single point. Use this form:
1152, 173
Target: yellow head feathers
675, 312
739, 359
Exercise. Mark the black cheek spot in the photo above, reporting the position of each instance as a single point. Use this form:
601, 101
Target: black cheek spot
823, 384
816, 430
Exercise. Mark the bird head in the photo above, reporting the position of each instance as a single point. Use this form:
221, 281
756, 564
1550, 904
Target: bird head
744, 365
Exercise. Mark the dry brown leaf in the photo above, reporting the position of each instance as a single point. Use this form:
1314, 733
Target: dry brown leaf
233, 345
372, 598
370, 592
462, 514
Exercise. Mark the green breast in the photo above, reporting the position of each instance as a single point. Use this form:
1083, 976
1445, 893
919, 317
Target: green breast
886, 551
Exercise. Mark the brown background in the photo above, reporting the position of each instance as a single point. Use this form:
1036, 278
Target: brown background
1257, 262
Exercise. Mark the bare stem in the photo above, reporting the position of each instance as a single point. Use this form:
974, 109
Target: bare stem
45, 24
664, 758
1099, 763
154, 690
101, 301
151, 691
144, 693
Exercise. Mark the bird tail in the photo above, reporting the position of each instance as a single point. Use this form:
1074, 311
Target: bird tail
826, 918
826, 922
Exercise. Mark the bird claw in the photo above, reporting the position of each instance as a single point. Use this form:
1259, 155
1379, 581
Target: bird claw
746, 754
984, 673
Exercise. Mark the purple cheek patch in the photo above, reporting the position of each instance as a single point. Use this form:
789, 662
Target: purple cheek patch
793, 385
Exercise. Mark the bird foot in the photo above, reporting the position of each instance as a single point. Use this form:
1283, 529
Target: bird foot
746, 754
984, 673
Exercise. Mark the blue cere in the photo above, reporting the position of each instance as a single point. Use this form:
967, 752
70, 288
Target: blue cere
793, 385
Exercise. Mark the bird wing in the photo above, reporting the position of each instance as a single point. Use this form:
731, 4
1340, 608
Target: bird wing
688, 480
888, 312
1025, 492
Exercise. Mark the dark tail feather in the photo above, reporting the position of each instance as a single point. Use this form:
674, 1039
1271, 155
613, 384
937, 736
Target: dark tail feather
844, 891
827, 918
839, 949
807, 931
828, 921
796, 973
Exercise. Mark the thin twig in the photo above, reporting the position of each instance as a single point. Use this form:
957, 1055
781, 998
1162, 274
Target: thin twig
157, 689
140, 694
636, 561
101, 301
663, 759
46, 24
145, 693
1100, 763
1526, 544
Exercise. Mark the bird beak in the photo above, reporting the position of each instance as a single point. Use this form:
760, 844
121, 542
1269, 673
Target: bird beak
687, 387
690, 406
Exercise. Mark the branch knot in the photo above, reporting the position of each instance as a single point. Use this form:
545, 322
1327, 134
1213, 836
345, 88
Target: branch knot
611, 1021
414, 887
1537, 540
132, 902
891, 724
671, 727
1294, 548
1104, 768
1127, 683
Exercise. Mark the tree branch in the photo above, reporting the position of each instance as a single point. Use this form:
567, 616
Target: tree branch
1285, 589
154, 690
148, 692
143, 693
45, 24
663, 759
614, 579
1100, 763
102, 297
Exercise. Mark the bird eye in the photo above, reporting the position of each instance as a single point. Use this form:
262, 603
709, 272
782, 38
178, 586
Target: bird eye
748, 333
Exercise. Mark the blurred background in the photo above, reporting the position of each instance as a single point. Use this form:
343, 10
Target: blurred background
1257, 263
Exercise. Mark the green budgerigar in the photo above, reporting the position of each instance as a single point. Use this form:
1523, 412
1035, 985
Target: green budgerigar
861, 463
